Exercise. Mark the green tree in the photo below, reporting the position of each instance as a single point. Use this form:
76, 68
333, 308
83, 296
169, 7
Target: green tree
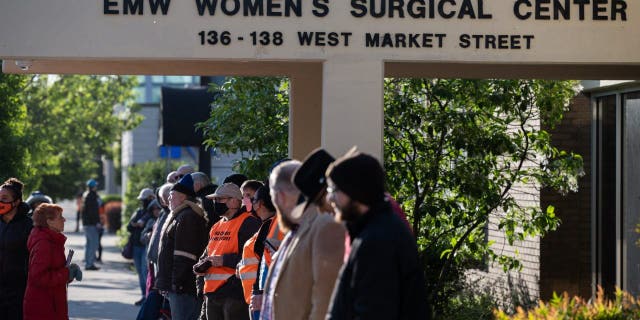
14, 156
72, 123
457, 151
250, 116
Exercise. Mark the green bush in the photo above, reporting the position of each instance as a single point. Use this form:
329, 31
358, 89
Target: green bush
623, 307
150, 174
110, 198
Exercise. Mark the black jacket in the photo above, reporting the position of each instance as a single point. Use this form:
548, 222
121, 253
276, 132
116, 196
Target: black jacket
14, 256
183, 240
90, 208
382, 278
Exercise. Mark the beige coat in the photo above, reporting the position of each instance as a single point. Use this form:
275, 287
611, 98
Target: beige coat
307, 277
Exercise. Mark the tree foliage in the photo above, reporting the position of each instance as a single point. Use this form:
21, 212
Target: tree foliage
250, 116
458, 151
56, 128
15, 155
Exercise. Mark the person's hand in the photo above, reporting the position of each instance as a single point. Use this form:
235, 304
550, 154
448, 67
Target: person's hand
216, 261
74, 272
255, 304
164, 293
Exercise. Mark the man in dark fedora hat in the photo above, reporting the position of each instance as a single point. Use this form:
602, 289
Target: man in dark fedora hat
308, 266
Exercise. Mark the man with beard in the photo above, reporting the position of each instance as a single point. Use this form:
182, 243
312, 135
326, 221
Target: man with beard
381, 278
224, 298
300, 282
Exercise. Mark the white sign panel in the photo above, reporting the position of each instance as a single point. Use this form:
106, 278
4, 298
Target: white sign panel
531, 31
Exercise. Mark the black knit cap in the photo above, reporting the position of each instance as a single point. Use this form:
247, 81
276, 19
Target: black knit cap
185, 185
358, 175
309, 177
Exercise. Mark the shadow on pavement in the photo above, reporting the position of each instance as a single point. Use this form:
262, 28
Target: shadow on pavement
101, 310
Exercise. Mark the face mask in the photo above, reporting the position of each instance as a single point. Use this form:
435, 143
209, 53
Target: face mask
5, 207
220, 208
246, 202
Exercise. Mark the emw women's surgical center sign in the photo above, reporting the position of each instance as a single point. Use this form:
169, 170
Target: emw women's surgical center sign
546, 31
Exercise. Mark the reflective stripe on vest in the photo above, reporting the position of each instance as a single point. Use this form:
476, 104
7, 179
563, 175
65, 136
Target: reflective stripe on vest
272, 243
223, 239
248, 267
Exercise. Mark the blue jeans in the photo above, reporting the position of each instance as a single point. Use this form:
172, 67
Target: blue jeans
91, 245
140, 262
183, 306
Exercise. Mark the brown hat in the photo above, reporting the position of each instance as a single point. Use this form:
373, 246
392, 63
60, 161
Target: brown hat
227, 190
309, 177
360, 176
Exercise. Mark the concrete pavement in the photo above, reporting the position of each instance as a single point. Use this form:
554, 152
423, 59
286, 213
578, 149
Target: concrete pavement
108, 293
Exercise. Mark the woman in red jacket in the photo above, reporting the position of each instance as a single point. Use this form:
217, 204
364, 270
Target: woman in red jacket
46, 295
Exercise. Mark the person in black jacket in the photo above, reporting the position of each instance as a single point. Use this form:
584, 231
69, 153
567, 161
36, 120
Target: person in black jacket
382, 277
184, 237
15, 227
135, 227
90, 221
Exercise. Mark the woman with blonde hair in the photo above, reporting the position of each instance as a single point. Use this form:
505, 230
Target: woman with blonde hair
46, 295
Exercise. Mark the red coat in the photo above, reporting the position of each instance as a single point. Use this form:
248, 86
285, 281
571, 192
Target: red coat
46, 295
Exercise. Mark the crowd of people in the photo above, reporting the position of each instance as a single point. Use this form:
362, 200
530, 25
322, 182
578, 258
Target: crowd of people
318, 239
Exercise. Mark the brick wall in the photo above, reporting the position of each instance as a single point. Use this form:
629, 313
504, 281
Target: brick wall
565, 254
559, 261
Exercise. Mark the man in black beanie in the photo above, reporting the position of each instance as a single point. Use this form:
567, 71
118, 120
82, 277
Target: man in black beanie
382, 277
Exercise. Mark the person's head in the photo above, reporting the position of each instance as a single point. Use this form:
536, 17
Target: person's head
284, 193
248, 189
92, 184
163, 194
36, 198
237, 178
172, 177
227, 199
184, 170
261, 202
154, 208
310, 178
200, 180
181, 191
10, 196
355, 183
49, 215
145, 196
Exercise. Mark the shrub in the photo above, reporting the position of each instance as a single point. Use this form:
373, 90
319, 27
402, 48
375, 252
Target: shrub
623, 307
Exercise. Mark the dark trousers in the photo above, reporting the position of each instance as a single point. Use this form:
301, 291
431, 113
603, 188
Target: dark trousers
226, 309
152, 306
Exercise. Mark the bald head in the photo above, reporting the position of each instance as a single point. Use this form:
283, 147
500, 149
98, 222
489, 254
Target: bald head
185, 170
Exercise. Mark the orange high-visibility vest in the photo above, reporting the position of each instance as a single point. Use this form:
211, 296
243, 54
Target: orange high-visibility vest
272, 243
248, 267
223, 239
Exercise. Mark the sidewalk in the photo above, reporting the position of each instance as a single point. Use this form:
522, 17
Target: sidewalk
108, 293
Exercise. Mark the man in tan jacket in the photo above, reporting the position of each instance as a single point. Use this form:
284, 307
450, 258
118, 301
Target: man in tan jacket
303, 274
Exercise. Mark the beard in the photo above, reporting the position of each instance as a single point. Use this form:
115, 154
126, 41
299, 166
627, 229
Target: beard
285, 222
348, 213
